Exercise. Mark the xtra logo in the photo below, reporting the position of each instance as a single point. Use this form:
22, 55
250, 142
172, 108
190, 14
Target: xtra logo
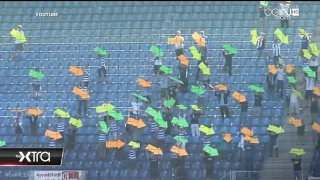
31, 156
35, 157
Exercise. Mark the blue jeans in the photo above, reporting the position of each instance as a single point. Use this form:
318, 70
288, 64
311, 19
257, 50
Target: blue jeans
297, 175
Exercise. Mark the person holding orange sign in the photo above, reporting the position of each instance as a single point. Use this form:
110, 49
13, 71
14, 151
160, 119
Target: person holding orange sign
223, 96
228, 62
83, 103
33, 119
280, 76
86, 76
203, 49
102, 69
179, 40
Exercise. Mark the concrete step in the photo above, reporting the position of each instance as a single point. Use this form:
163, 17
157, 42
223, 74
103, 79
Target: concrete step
277, 175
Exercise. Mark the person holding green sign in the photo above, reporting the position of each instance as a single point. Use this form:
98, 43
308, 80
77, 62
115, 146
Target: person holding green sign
309, 85
157, 65
164, 84
71, 138
19, 44
257, 109
83, 103
102, 69
313, 65
262, 14
228, 62
36, 85
296, 160
273, 145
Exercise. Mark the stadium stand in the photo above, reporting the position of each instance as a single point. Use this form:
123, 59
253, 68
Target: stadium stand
126, 30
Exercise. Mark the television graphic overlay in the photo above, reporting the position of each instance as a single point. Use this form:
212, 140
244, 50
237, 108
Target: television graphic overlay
31, 156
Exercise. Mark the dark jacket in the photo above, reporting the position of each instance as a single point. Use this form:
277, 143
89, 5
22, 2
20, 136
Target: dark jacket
304, 43
296, 164
271, 81
258, 100
226, 96
314, 106
244, 106
227, 56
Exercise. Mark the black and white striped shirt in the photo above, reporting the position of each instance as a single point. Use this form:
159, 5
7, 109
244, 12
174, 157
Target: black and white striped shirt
132, 153
18, 121
261, 43
161, 134
102, 62
60, 126
174, 155
52, 143
276, 50
182, 132
288, 91
153, 125
36, 81
206, 141
102, 137
86, 75
113, 125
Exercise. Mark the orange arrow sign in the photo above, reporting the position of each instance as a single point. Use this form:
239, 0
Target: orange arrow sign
136, 123
81, 93
221, 87
183, 60
35, 112
239, 97
295, 122
179, 151
52, 134
227, 137
143, 83
76, 71
316, 127
247, 131
316, 91
114, 144
154, 150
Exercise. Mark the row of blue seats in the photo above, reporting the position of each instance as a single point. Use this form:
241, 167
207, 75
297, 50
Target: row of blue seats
213, 44
146, 131
133, 56
117, 34
147, 27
